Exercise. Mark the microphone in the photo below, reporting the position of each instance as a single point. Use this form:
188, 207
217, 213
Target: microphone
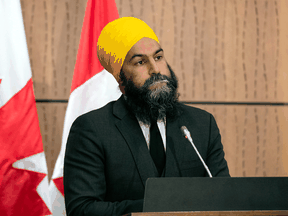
187, 135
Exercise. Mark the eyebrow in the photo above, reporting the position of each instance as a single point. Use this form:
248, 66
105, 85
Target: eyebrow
141, 55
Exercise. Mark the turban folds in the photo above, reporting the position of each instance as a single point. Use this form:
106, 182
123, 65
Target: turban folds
117, 38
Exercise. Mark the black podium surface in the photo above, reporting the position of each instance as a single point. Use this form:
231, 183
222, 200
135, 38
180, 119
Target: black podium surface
216, 194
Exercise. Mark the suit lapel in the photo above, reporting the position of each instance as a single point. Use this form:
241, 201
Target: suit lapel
132, 133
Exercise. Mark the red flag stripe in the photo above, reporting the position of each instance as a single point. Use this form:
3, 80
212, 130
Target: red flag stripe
97, 15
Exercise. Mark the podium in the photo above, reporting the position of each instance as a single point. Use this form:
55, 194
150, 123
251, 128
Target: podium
215, 196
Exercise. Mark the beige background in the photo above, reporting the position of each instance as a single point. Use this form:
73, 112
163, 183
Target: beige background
221, 51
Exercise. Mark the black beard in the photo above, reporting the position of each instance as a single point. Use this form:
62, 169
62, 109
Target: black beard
150, 105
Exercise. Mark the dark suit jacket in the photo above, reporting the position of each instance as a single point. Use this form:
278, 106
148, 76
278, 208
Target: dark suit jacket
107, 160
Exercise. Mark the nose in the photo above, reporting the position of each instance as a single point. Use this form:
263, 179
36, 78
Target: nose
154, 69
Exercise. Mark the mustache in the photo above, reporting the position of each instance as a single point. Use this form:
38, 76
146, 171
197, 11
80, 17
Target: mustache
155, 78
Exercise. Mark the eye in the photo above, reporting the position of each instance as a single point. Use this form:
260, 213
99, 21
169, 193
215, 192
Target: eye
141, 62
158, 58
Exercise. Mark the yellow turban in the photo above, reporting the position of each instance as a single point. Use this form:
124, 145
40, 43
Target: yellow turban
117, 38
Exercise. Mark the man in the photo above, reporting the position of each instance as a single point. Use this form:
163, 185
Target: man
112, 151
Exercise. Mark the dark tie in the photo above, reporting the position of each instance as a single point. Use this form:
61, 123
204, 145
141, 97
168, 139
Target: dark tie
156, 147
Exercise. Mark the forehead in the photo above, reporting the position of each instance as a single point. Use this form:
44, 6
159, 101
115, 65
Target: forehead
145, 46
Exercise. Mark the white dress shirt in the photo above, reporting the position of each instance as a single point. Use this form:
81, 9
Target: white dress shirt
146, 131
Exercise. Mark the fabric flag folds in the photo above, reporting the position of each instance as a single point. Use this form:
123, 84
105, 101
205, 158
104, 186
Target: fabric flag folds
92, 86
23, 173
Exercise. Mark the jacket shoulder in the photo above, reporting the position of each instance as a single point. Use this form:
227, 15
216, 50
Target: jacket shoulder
97, 115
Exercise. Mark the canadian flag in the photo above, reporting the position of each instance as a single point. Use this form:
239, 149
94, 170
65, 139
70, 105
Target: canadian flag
92, 86
23, 169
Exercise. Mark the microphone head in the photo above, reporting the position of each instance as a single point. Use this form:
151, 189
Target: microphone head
184, 130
